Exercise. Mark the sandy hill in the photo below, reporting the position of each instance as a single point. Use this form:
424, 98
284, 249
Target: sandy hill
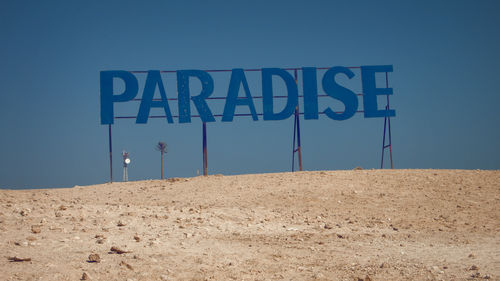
324, 225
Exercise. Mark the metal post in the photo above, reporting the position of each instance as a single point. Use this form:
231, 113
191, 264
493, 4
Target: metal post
205, 168
383, 142
110, 155
299, 150
293, 146
390, 138
387, 127
296, 131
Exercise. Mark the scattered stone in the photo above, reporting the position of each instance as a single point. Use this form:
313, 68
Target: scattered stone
58, 214
18, 259
85, 276
62, 208
340, 236
117, 250
36, 229
120, 223
100, 241
94, 258
174, 180
25, 212
126, 265
327, 226
137, 238
487, 277
319, 275
472, 255
358, 168
474, 267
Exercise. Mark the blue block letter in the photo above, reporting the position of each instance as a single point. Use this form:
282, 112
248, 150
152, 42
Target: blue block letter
267, 94
310, 92
334, 90
153, 79
107, 97
370, 91
207, 87
232, 100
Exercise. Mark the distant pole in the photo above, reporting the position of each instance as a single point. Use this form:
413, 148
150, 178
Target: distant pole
299, 148
162, 177
205, 168
296, 132
293, 145
110, 155
387, 129
389, 119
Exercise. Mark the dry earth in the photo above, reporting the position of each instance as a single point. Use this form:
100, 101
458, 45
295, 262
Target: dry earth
325, 225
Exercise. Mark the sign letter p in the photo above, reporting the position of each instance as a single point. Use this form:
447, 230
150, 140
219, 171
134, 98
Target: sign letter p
107, 97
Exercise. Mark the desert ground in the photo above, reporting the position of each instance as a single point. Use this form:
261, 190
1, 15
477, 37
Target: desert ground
321, 225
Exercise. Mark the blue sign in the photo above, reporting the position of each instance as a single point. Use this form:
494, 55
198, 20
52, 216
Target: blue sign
238, 80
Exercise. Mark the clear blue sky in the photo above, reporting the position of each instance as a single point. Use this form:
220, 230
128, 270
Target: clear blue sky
446, 96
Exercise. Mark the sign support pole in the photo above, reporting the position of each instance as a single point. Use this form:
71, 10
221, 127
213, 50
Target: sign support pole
205, 168
110, 155
296, 131
299, 148
387, 125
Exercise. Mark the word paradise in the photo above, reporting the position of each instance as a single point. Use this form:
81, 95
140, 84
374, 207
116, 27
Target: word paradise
238, 79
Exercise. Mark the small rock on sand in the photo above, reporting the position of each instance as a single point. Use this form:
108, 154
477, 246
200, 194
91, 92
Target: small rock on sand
25, 212
18, 259
126, 265
117, 250
474, 267
94, 258
36, 229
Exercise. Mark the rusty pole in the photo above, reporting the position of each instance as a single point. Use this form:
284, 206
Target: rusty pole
205, 168
299, 150
110, 155
389, 119
387, 128
297, 119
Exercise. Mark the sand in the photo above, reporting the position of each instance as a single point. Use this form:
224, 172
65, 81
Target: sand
322, 225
